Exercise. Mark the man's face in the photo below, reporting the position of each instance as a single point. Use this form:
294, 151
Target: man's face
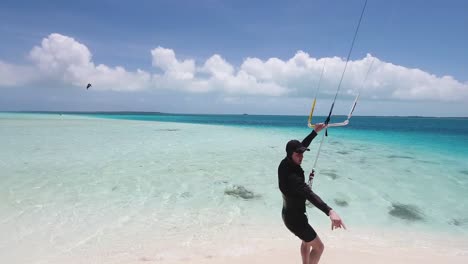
297, 157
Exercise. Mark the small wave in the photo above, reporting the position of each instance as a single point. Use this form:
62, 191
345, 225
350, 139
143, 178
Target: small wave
426, 162
399, 157
220, 182
168, 129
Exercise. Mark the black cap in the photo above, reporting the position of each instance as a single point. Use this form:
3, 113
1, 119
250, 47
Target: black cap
295, 146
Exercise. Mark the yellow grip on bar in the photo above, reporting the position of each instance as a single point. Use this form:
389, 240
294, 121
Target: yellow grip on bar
311, 114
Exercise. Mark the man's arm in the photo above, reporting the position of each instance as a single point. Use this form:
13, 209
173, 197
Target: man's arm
302, 189
306, 142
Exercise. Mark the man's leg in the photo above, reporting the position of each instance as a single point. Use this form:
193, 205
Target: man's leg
305, 252
317, 250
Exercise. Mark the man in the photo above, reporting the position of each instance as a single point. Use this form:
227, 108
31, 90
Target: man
295, 193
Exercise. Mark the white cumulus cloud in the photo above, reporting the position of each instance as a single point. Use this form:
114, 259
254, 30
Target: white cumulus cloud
17, 75
58, 53
167, 61
63, 59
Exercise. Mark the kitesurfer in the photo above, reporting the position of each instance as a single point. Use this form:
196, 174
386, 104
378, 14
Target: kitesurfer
295, 192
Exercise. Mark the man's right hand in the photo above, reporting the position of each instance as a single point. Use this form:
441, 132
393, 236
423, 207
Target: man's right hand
336, 221
311, 175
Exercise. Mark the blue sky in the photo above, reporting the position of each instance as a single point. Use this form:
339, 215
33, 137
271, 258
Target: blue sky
163, 49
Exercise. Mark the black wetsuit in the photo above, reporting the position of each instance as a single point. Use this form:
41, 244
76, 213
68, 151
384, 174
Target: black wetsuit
295, 192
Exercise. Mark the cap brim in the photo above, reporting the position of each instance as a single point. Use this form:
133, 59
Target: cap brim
302, 150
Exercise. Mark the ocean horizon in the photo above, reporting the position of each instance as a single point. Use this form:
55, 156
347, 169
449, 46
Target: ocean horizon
197, 113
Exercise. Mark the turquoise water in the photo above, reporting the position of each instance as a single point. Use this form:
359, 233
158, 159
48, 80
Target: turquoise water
78, 183
449, 134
